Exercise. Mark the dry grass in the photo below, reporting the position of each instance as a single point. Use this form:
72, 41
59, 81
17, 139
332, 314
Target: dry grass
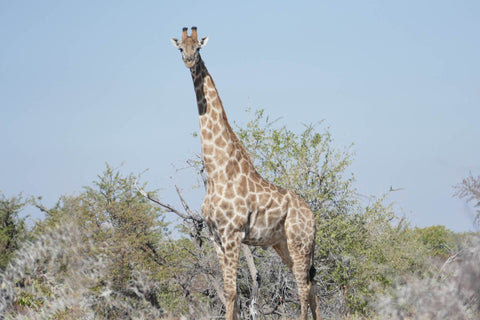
61, 275
452, 293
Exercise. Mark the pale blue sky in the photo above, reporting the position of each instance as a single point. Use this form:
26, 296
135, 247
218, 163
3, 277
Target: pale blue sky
84, 83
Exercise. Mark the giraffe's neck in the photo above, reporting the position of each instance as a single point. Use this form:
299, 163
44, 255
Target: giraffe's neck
220, 145
199, 73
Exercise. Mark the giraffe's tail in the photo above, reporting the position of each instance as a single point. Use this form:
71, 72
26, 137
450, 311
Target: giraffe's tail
312, 273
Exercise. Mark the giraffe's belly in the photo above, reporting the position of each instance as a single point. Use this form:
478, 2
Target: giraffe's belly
258, 233
262, 241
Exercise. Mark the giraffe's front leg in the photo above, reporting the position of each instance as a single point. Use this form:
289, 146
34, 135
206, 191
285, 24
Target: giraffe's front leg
229, 262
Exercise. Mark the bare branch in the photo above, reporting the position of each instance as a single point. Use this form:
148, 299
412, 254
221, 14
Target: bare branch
218, 287
469, 189
163, 205
256, 282
192, 214
152, 252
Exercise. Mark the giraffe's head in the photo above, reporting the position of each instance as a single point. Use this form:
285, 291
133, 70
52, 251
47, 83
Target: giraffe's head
190, 46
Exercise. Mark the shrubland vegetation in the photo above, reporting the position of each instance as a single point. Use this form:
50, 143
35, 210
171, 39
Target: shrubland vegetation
107, 253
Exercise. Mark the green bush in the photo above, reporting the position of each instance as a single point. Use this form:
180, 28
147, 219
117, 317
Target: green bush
360, 249
12, 227
439, 240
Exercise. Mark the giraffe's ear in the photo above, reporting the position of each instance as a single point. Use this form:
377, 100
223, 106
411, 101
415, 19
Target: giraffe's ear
203, 42
175, 42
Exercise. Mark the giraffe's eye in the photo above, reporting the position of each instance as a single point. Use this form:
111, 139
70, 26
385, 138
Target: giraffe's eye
180, 49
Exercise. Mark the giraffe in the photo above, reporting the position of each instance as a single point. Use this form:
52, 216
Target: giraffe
240, 206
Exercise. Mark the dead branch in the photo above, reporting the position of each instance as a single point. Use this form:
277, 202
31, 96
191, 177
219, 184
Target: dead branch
253, 308
184, 216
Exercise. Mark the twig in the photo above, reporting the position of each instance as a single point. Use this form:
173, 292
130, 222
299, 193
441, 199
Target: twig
191, 214
163, 205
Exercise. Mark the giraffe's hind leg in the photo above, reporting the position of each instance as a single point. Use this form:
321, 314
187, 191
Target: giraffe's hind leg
301, 271
300, 265
282, 249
